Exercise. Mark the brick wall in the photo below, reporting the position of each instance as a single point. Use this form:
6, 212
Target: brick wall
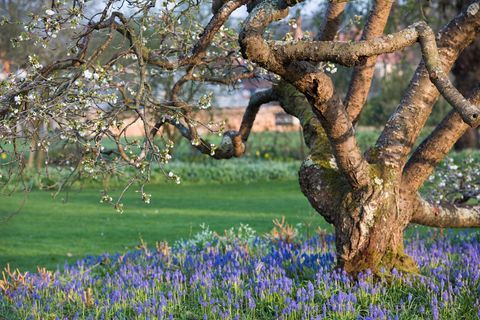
265, 121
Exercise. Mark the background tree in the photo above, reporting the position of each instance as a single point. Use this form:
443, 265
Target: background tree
467, 76
369, 198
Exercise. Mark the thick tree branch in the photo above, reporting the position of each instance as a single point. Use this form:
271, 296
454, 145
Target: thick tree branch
435, 147
320, 180
354, 53
345, 53
331, 22
294, 103
404, 126
470, 113
445, 215
341, 135
233, 142
362, 75
254, 104
314, 84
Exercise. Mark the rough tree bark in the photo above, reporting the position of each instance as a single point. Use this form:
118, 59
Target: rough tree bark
369, 199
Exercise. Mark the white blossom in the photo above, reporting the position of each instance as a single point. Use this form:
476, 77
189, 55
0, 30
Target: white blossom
88, 74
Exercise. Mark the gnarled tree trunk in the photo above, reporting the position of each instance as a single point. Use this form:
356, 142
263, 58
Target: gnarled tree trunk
370, 199
369, 223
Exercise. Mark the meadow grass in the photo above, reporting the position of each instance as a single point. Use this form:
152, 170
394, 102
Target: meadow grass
48, 232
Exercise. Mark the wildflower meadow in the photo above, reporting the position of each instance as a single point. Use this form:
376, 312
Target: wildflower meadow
240, 275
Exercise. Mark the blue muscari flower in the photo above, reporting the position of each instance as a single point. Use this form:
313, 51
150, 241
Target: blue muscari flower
194, 271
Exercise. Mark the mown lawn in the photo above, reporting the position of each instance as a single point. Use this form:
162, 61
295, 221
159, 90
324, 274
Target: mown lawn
48, 232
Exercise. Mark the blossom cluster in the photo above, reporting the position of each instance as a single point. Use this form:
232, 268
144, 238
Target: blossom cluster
457, 180
95, 70
250, 277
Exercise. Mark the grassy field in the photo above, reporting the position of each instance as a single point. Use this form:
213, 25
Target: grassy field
48, 232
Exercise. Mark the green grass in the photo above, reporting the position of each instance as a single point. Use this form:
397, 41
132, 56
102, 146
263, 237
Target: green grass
47, 232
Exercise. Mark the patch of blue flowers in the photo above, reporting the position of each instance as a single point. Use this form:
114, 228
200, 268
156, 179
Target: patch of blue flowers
257, 278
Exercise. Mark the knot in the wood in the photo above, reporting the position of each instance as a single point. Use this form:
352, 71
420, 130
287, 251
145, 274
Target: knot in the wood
253, 47
473, 9
421, 26
318, 86
311, 82
232, 145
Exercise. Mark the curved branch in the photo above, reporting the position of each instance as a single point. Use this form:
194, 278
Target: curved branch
354, 53
404, 126
340, 133
351, 54
445, 215
435, 147
331, 22
277, 56
256, 101
295, 103
314, 84
362, 75
320, 181
470, 113
345, 53
233, 142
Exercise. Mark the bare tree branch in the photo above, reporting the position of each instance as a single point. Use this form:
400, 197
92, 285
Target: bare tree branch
469, 113
404, 126
362, 75
331, 22
254, 104
345, 53
340, 133
445, 215
435, 147
314, 84
233, 142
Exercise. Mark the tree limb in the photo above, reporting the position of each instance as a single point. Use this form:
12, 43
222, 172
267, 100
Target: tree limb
340, 133
435, 147
469, 112
331, 22
445, 215
404, 126
345, 53
254, 104
233, 142
362, 75
314, 84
